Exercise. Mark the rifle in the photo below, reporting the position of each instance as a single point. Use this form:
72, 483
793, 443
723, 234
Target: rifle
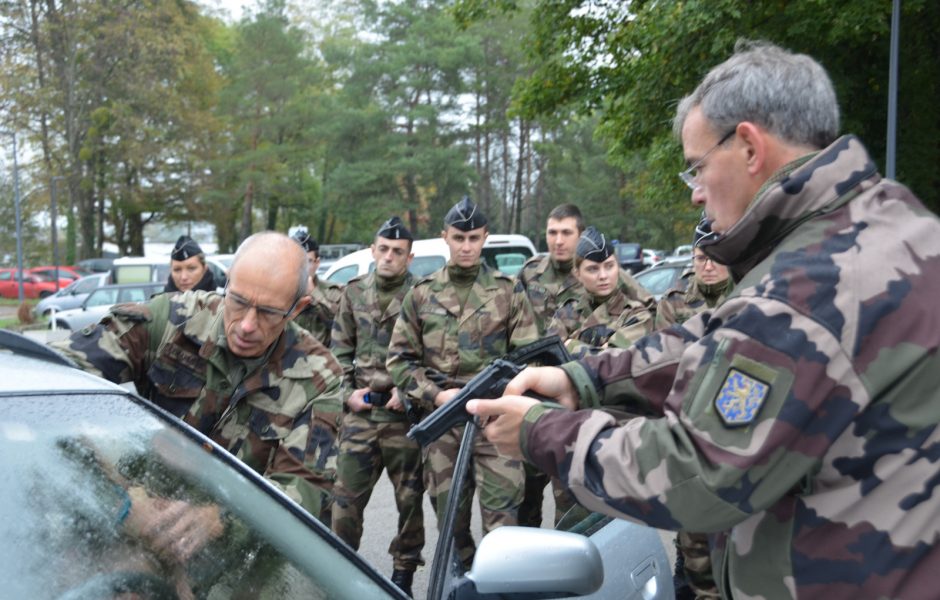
489, 383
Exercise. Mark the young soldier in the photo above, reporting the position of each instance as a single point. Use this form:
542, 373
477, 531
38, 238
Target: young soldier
372, 437
798, 420
452, 324
317, 317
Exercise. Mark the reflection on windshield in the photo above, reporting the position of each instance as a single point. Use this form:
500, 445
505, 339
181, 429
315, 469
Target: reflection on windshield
79, 481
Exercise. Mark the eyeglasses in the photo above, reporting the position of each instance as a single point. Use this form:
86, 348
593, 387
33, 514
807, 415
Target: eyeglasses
690, 175
238, 307
701, 259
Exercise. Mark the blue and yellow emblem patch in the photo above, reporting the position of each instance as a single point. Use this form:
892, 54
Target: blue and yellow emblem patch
740, 398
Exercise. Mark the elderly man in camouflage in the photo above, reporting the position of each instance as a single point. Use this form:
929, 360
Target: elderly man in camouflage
234, 366
317, 317
452, 324
372, 436
799, 418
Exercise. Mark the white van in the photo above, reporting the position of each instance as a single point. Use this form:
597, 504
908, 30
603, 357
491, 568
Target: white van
140, 269
506, 252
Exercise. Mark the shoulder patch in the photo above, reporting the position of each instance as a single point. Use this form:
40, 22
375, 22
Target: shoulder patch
740, 398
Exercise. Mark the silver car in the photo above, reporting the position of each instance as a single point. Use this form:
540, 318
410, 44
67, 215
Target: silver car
71, 296
100, 301
76, 449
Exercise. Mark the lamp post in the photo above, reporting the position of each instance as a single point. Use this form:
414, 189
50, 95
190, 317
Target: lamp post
55, 236
19, 230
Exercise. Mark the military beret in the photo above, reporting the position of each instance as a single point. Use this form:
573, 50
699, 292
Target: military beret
186, 247
593, 245
394, 229
465, 216
308, 243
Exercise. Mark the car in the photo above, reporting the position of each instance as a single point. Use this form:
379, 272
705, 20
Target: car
78, 449
70, 273
659, 279
100, 301
683, 250
630, 256
72, 295
651, 257
141, 269
35, 285
96, 265
506, 252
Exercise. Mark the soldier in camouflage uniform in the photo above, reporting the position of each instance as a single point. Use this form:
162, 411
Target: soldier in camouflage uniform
452, 324
317, 317
548, 281
588, 321
799, 418
703, 288
372, 437
234, 367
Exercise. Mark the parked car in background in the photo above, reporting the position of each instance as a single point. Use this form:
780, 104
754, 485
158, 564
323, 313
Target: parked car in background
69, 273
72, 295
141, 269
35, 285
659, 279
69, 483
96, 265
652, 257
683, 250
506, 252
100, 301
630, 256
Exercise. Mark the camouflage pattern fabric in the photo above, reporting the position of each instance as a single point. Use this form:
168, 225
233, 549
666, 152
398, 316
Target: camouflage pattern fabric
685, 300
279, 414
585, 328
436, 346
371, 441
317, 318
547, 288
799, 419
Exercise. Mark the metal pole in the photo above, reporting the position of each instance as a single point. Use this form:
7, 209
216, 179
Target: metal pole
19, 229
893, 90
55, 228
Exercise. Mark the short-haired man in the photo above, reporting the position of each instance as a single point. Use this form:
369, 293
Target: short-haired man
799, 418
234, 366
317, 317
452, 324
373, 434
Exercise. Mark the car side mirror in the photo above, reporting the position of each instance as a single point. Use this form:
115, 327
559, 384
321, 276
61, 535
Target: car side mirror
528, 562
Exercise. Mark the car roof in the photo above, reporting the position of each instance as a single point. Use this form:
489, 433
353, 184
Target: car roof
26, 363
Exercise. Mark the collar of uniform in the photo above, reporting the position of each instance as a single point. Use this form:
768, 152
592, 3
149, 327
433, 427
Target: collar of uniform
805, 188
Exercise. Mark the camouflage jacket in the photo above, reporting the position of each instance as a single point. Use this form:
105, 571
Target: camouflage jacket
547, 288
800, 417
317, 318
278, 414
437, 346
361, 334
685, 300
583, 327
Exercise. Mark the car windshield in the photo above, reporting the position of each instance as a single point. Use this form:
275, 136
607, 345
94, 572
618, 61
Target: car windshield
72, 460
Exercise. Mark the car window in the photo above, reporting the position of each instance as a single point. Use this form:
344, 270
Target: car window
85, 285
657, 281
422, 266
102, 297
344, 274
71, 465
492, 255
133, 295
6, 276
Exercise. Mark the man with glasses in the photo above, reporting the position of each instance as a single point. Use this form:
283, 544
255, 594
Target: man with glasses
235, 367
317, 317
797, 421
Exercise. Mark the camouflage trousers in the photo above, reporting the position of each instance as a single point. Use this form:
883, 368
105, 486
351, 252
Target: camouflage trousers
499, 480
697, 564
365, 448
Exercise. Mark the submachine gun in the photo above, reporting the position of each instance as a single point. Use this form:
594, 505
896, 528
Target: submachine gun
489, 383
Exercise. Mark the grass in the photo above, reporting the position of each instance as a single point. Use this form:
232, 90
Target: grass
11, 321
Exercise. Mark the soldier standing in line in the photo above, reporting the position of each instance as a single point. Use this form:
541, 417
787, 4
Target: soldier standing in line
796, 422
234, 367
317, 317
372, 437
704, 288
452, 324
547, 282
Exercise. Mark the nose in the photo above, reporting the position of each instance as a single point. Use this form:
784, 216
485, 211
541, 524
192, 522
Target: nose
249, 321
698, 196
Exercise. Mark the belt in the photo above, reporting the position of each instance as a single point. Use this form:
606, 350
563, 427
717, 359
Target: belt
378, 398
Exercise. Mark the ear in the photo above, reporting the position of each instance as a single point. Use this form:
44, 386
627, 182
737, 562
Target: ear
755, 144
411, 257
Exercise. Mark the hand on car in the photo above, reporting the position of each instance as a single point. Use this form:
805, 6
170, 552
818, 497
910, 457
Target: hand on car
174, 529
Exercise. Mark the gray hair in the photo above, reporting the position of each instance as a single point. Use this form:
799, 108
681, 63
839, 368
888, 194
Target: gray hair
789, 95
277, 243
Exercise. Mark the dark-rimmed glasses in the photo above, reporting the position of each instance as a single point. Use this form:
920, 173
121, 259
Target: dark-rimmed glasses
267, 315
690, 175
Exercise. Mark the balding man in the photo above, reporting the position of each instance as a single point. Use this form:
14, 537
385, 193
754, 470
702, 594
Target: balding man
233, 366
